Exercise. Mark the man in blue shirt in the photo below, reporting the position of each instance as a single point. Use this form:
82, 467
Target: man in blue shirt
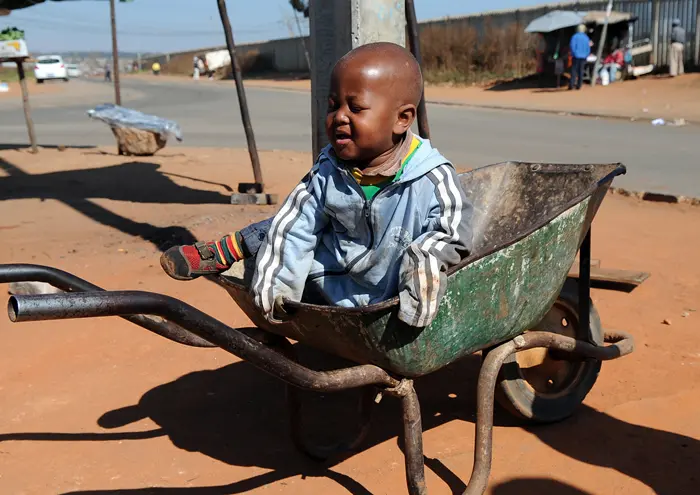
580, 47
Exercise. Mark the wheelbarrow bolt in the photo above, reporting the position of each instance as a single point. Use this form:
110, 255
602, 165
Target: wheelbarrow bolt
404, 388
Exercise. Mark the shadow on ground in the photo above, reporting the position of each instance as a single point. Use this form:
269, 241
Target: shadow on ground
536, 486
235, 414
136, 181
535, 81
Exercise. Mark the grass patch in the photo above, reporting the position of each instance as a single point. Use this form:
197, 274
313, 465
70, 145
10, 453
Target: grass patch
9, 74
458, 54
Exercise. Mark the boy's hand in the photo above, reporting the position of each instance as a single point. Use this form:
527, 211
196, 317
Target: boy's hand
279, 313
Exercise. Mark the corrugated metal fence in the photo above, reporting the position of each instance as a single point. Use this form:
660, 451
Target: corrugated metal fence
668, 10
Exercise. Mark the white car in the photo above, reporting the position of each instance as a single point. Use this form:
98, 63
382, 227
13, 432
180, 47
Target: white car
50, 67
72, 70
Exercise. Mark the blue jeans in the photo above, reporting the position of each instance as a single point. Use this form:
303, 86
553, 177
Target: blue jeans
253, 236
577, 67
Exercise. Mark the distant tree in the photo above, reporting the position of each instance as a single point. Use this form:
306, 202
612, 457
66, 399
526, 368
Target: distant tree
300, 6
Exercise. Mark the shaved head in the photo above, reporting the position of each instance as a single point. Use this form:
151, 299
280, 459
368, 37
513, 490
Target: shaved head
389, 62
373, 100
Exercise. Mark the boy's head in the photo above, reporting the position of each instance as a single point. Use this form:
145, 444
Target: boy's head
375, 90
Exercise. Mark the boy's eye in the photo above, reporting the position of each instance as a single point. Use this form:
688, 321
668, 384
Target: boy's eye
355, 108
332, 105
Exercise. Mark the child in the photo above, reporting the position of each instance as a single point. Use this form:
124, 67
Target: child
380, 214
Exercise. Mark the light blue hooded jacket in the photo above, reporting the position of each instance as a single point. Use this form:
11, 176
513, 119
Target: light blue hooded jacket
329, 239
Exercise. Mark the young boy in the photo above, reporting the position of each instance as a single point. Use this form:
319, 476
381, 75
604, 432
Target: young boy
380, 214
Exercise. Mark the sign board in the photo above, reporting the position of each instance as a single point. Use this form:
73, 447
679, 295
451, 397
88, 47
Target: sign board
13, 49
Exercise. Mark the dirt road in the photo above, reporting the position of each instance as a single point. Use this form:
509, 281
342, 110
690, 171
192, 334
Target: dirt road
103, 407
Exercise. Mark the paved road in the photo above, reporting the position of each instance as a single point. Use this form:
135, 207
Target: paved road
660, 159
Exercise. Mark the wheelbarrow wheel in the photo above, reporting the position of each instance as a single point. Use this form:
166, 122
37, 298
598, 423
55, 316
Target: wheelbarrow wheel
539, 386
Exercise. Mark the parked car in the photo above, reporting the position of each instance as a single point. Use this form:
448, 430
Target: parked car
72, 70
50, 67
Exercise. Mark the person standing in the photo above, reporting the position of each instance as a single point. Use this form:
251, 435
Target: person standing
675, 51
580, 47
108, 73
195, 68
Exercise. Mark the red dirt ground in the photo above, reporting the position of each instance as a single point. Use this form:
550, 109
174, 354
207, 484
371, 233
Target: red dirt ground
101, 406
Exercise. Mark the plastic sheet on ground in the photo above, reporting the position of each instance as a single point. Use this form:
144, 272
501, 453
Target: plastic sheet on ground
116, 116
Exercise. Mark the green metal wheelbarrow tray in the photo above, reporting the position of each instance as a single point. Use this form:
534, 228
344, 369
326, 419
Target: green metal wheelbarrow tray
540, 335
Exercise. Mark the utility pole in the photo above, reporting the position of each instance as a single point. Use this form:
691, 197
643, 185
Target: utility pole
655, 19
414, 42
603, 36
25, 104
696, 58
249, 192
115, 55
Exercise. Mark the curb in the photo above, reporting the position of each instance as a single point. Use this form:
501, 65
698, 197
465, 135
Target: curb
656, 197
564, 113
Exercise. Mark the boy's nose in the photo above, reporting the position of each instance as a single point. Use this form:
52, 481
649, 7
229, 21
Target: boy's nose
341, 116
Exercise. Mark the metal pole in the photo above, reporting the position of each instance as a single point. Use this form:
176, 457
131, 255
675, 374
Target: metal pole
414, 42
696, 58
25, 104
655, 19
303, 43
115, 55
584, 284
242, 102
603, 35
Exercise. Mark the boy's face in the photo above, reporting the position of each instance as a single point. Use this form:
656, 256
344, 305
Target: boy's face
363, 113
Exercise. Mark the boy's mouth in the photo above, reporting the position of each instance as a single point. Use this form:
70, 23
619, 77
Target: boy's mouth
342, 137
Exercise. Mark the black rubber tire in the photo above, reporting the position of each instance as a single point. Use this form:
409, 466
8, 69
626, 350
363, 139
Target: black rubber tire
40, 81
65, 79
523, 401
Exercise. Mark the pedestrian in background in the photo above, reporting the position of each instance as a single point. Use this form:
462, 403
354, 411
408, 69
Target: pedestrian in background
580, 47
195, 68
676, 50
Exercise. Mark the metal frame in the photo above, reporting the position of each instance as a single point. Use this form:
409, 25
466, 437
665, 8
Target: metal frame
275, 355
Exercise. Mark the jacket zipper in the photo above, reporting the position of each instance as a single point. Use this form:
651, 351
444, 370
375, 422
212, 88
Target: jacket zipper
368, 219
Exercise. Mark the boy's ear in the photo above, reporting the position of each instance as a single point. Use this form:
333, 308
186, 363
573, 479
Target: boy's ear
405, 118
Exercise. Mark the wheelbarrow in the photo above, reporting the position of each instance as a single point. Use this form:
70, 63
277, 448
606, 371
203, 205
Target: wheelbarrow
539, 334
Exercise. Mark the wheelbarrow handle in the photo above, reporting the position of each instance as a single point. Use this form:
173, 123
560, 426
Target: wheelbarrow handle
235, 341
70, 283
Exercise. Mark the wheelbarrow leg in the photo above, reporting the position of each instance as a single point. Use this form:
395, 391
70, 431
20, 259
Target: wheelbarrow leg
483, 443
622, 345
412, 439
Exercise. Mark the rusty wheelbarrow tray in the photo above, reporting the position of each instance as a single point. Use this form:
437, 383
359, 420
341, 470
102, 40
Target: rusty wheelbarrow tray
507, 299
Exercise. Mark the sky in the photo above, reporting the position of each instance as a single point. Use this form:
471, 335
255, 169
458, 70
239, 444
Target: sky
175, 25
